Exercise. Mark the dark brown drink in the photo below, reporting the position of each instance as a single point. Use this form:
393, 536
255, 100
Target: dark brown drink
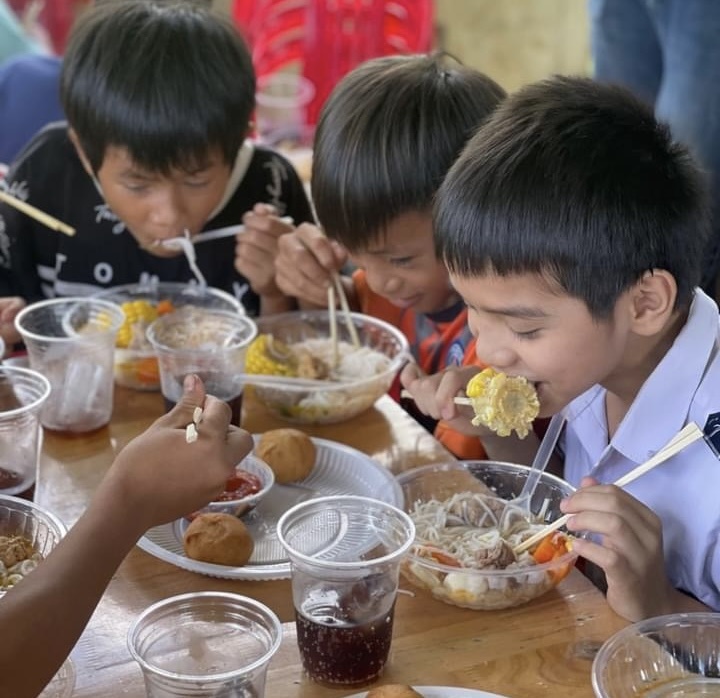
235, 406
335, 651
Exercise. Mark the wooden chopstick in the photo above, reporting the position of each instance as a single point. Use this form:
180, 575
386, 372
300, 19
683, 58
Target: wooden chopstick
681, 440
333, 324
40, 216
345, 306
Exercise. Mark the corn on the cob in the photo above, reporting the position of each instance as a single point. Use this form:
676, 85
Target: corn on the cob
503, 403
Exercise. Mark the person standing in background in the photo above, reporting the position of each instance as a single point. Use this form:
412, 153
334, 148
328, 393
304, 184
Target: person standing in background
14, 39
668, 53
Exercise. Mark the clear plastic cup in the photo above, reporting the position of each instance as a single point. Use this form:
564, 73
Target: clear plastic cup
22, 395
210, 343
281, 112
205, 644
345, 554
71, 341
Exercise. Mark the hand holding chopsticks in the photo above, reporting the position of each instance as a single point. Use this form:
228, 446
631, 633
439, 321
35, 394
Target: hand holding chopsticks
680, 441
36, 214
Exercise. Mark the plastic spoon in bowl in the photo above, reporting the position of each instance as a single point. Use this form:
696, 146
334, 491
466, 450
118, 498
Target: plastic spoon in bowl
542, 458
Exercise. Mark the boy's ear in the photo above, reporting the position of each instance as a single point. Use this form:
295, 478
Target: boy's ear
81, 153
653, 301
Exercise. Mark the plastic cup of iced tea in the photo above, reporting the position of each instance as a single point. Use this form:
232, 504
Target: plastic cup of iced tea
207, 342
22, 395
345, 554
71, 341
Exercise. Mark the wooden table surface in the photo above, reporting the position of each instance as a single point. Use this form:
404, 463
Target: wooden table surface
542, 649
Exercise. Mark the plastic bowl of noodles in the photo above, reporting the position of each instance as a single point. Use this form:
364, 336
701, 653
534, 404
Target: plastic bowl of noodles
28, 533
662, 657
466, 528
299, 345
135, 362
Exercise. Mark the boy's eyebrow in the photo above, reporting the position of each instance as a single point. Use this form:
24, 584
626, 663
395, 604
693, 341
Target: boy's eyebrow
519, 311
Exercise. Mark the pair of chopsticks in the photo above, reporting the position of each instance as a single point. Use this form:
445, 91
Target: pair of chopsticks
680, 441
35, 213
337, 286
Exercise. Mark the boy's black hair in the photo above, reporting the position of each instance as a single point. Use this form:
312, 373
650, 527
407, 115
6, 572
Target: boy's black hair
168, 81
386, 138
578, 181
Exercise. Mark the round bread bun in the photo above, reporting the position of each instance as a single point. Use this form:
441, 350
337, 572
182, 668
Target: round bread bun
289, 452
218, 538
393, 690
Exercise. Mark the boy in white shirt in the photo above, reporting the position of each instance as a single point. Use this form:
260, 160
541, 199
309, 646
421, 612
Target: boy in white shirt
573, 227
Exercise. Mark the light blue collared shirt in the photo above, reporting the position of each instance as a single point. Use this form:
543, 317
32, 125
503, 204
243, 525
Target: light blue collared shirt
685, 490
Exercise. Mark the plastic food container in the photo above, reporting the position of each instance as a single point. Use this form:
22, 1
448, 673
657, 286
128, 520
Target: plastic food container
36, 525
361, 376
435, 566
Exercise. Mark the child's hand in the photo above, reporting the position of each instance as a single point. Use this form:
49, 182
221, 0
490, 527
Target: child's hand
9, 308
433, 395
159, 477
305, 263
257, 247
631, 551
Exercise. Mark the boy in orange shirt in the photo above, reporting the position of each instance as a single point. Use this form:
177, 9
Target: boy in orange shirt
387, 135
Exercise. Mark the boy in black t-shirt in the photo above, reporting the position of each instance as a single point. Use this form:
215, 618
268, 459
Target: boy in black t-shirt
158, 100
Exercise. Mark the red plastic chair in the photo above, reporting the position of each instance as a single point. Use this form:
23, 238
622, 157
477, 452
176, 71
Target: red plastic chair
325, 39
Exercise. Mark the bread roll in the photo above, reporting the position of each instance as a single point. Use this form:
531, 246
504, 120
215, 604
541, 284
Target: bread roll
289, 452
393, 690
218, 538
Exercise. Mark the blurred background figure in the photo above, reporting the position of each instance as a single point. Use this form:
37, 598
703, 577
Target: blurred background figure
302, 48
15, 39
29, 99
54, 16
668, 53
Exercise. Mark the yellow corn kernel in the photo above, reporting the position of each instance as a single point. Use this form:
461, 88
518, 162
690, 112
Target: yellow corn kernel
503, 403
136, 312
260, 360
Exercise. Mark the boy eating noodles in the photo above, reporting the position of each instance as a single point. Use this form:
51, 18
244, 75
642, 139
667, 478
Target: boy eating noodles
158, 98
386, 137
573, 228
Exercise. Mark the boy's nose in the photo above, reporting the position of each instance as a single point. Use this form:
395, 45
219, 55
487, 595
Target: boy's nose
492, 352
167, 213
382, 283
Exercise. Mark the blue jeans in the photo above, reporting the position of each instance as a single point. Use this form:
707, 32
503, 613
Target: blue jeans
668, 53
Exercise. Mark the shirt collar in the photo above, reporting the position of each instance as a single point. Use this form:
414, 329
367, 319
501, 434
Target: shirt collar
661, 407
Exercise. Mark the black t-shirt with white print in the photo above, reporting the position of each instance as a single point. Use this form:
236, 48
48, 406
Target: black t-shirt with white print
37, 262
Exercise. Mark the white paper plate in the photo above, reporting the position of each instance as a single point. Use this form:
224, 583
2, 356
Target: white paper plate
444, 692
339, 469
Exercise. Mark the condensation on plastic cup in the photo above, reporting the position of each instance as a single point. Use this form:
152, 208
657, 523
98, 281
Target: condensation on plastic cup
71, 341
23, 393
205, 644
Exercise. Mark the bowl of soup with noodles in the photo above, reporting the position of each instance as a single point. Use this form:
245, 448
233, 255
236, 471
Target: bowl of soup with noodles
468, 521
306, 372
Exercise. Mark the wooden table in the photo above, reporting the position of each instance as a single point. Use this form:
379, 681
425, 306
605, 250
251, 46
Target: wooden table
542, 649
